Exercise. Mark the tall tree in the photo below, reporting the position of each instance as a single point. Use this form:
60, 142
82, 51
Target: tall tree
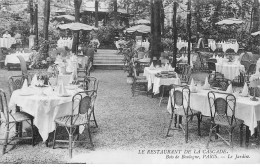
30, 6
175, 34
36, 24
256, 14
157, 29
152, 30
46, 25
96, 13
115, 12
77, 5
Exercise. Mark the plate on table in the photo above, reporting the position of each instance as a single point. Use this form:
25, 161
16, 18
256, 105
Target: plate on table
26, 93
41, 86
65, 95
71, 87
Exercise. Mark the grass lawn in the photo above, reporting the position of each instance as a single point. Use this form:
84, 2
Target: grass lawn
128, 125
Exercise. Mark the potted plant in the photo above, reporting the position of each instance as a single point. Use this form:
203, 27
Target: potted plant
141, 52
129, 54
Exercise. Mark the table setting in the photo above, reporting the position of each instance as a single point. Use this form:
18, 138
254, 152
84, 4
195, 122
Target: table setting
62, 42
151, 71
44, 101
229, 66
246, 106
13, 59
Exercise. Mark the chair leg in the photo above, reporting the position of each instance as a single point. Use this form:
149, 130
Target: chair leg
32, 132
163, 87
217, 132
170, 124
198, 116
6, 138
70, 142
133, 89
90, 138
95, 117
231, 137
175, 123
210, 134
241, 135
54, 136
186, 130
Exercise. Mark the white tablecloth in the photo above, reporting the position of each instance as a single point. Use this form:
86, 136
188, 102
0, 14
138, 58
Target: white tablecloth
181, 44
164, 81
65, 78
230, 71
226, 46
44, 109
64, 42
246, 110
7, 42
150, 75
13, 59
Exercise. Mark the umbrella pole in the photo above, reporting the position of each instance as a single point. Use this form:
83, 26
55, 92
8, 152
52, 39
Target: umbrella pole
189, 29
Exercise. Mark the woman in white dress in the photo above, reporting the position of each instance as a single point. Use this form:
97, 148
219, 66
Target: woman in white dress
6, 35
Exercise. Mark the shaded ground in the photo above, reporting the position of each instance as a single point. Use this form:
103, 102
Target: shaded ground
126, 124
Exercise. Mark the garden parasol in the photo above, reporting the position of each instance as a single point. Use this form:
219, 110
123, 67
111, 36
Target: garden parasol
139, 28
255, 33
230, 21
76, 27
143, 21
64, 18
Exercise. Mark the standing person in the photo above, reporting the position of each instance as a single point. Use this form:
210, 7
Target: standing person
18, 38
6, 35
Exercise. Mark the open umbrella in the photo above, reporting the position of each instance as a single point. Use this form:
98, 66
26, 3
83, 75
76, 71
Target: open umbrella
76, 27
255, 33
230, 21
143, 21
139, 28
64, 18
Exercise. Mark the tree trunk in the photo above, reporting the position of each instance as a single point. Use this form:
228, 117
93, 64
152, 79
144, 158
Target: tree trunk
77, 4
157, 29
30, 5
46, 26
96, 13
152, 30
115, 12
189, 29
175, 34
162, 18
256, 16
36, 24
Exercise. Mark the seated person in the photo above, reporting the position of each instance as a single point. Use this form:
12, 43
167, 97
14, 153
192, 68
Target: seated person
18, 38
6, 35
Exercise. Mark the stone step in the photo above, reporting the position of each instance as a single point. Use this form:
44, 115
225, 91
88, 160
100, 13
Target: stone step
108, 57
109, 67
107, 62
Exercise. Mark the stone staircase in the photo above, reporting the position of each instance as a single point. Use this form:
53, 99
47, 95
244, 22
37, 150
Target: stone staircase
108, 60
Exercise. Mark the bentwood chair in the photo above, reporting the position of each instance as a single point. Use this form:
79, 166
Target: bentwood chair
23, 65
222, 109
180, 105
91, 84
10, 118
139, 84
16, 82
82, 109
185, 75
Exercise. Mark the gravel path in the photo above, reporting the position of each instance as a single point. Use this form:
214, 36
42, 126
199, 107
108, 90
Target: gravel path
126, 125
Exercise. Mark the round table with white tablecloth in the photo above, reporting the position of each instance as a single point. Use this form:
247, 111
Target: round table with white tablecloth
230, 70
65, 42
43, 107
7, 42
13, 59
